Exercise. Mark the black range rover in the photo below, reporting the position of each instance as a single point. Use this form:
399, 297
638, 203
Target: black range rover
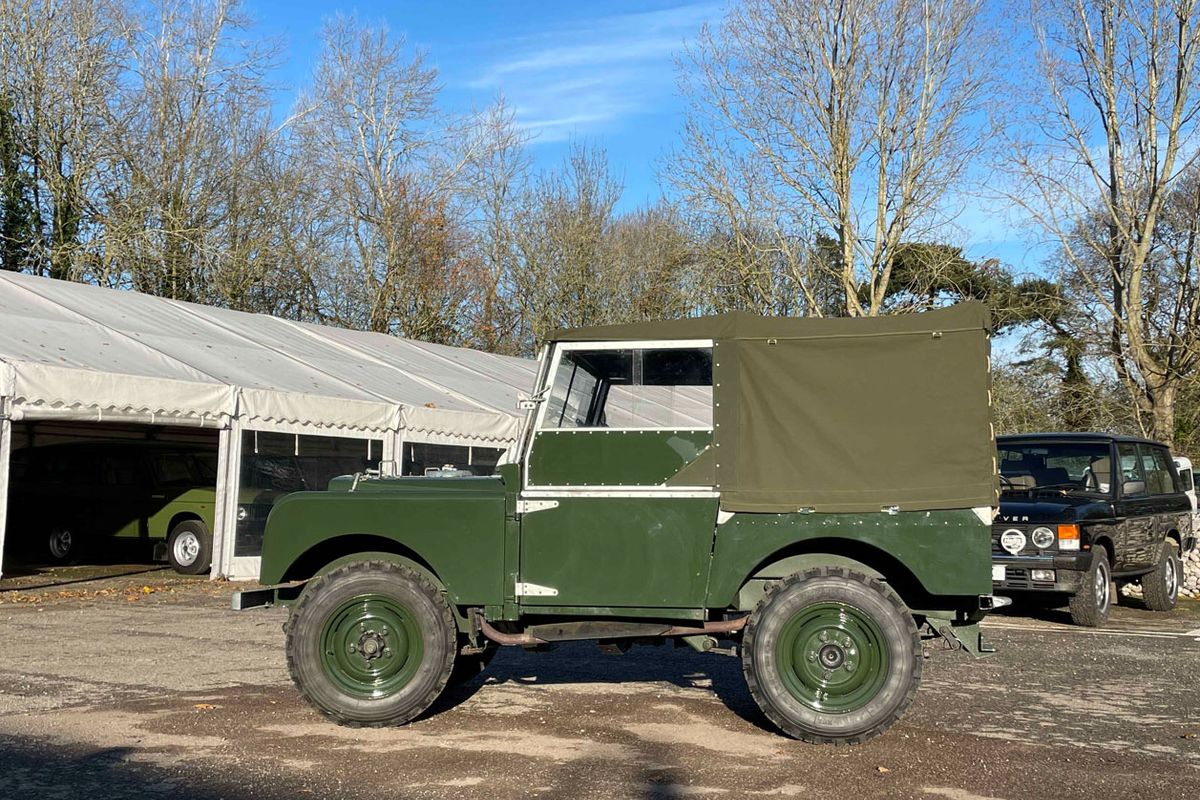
1079, 511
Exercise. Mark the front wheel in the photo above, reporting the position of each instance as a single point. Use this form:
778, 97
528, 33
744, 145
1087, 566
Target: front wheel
371, 644
189, 548
1160, 588
1093, 599
832, 656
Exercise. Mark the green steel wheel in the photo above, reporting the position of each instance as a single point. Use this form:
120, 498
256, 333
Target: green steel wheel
832, 656
371, 644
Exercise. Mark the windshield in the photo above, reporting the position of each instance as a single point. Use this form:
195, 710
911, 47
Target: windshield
1063, 466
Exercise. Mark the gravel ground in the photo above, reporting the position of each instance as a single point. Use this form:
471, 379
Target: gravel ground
145, 685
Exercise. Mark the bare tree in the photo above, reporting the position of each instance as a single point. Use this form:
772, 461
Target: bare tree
495, 179
396, 246
1115, 132
192, 114
564, 278
59, 63
853, 118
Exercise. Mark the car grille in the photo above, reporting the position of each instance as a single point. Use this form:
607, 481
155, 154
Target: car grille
1016, 578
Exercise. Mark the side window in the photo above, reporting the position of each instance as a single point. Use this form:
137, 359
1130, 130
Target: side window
120, 469
1156, 462
1131, 468
172, 468
1185, 480
635, 388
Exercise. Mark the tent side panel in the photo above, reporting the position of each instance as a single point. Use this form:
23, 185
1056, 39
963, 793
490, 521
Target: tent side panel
5, 456
229, 476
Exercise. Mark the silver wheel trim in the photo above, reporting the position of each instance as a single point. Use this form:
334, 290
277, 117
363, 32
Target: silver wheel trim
186, 549
1172, 578
60, 543
1101, 587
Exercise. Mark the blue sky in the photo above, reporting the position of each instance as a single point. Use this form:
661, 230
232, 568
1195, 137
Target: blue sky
602, 72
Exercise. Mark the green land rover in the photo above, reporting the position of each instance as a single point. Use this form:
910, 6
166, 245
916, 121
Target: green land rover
814, 496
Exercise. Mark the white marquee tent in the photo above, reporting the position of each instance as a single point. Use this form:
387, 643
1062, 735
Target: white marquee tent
78, 353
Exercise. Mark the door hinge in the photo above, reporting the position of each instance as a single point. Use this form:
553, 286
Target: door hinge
530, 506
534, 590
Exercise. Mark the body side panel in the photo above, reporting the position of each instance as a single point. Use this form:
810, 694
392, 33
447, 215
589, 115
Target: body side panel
947, 552
601, 457
651, 552
459, 534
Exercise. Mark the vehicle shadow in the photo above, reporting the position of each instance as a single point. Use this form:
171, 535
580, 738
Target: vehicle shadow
584, 663
31, 769
57, 577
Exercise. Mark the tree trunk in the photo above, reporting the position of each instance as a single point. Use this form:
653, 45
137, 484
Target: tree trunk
1162, 411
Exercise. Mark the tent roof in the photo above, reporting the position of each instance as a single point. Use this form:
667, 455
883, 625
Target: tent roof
68, 346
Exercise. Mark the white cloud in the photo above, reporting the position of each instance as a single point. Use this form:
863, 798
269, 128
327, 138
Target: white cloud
593, 74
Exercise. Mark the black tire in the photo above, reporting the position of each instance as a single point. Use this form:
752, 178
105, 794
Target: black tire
471, 665
63, 545
889, 659
1160, 588
1092, 602
374, 606
189, 548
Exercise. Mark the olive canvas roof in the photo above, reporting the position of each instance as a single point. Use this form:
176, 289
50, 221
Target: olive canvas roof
70, 350
842, 415
740, 324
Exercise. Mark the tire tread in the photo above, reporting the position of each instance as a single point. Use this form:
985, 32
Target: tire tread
756, 688
418, 706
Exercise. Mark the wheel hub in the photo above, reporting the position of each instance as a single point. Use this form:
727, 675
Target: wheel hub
832, 657
371, 646
187, 547
60, 543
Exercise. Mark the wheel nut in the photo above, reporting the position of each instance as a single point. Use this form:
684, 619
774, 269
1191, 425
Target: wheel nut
849, 666
387, 652
353, 649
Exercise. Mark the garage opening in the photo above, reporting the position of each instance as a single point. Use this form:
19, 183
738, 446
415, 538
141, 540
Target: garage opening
111, 493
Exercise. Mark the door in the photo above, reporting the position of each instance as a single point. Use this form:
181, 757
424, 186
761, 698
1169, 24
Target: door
127, 488
616, 466
1136, 506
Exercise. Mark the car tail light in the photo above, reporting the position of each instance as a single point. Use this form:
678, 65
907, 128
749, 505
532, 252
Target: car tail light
1068, 537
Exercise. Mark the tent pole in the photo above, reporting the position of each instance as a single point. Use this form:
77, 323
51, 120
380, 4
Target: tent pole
229, 472
5, 457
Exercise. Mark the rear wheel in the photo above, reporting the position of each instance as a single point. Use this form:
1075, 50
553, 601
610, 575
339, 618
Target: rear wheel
1160, 588
189, 547
832, 656
1092, 602
371, 644
63, 544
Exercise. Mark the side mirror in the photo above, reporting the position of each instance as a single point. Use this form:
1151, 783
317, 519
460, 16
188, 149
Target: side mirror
1133, 488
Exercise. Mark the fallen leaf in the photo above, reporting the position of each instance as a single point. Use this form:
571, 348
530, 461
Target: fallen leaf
204, 706
883, 770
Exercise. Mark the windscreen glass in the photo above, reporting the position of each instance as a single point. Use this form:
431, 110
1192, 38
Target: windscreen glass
1065, 466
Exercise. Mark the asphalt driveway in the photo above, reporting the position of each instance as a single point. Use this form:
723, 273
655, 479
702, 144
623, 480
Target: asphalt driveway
143, 684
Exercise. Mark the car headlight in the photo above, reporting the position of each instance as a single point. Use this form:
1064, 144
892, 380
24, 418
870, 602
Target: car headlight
1043, 538
242, 513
